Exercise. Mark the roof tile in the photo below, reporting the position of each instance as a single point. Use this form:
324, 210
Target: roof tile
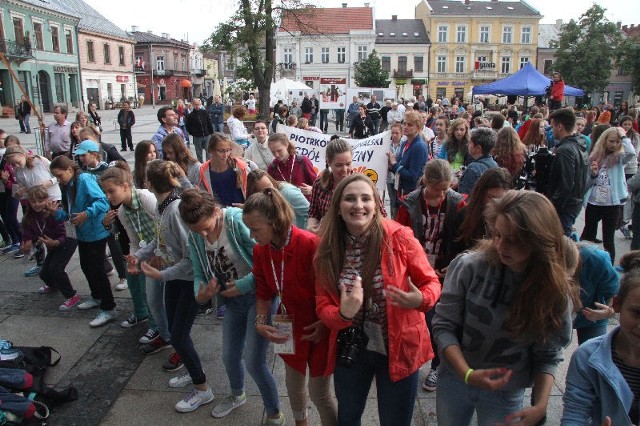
329, 20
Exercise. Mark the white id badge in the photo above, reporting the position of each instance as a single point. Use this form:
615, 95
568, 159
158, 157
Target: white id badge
284, 325
396, 181
70, 229
376, 339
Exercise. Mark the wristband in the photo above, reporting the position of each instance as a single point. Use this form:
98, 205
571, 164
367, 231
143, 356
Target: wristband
467, 375
261, 320
343, 317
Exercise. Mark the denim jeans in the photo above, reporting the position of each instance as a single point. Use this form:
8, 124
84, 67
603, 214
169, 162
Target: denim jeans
396, 400
218, 127
324, 120
456, 401
155, 302
567, 220
609, 217
27, 127
95, 272
200, 144
15, 378
339, 120
435, 362
9, 214
182, 309
53, 273
14, 403
242, 345
138, 288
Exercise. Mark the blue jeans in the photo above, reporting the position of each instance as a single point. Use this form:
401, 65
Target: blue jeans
218, 127
200, 144
456, 401
242, 345
27, 127
567, 220
155, 301
395, 399
182, 309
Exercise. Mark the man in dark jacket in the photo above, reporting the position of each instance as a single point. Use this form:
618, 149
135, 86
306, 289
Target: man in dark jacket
126, 120
199, 125
374, 113
216, 114
306, 107
568, 174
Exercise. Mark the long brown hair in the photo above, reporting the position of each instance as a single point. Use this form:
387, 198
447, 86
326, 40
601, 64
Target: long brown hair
509, 151
272, 206
140, 164
163, 175
335, 147
181, 153
533, 135
62, 162
254, 176
540, 304
455, 146
330, 256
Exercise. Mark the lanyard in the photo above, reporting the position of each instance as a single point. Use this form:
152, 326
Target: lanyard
290, 173
279, 283
138, 228
41, 228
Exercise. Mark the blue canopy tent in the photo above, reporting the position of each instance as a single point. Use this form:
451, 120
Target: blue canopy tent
526, 82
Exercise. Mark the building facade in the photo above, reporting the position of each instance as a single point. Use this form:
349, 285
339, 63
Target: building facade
198, 71
212, 74
476, 42
324, 43
162, 67
403, 47
40, 41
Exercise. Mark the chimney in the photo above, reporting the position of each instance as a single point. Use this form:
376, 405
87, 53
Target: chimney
344, 5
467, 2
165, 35
134, 28
394, 17
558, 22
366, 4
149, 32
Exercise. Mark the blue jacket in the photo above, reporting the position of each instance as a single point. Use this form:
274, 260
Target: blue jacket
216, 112
598, 282
595, 387
238, 235
474, 170
89, 199
410, 164
161, 134
617, 179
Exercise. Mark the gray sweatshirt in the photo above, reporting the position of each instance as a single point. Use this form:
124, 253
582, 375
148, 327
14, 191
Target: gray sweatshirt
473, 307
175, 234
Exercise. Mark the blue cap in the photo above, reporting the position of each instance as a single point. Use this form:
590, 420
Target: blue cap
87, 146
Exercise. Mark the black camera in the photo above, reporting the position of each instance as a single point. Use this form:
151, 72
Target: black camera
351, 342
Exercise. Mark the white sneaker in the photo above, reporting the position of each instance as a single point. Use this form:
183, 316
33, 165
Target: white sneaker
180, 381
194, 399
148, 336
102, 318
89, 304
229, 404
122, 285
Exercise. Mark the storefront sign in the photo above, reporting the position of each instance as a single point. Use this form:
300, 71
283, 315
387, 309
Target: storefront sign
419, 81
485, 65
69, 70
333, 80
122, 78
442, 83
310, 78
458, 83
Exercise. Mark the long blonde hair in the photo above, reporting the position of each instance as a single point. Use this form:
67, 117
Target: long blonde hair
599, 152
330, 256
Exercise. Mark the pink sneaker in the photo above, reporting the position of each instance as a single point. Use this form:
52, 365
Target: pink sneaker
70, 303
45, 289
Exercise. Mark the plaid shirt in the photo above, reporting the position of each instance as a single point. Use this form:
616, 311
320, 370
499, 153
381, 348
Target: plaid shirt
141, 221
321, 200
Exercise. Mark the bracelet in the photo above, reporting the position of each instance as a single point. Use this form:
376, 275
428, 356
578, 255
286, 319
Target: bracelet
343, 318
261, 320
467, 375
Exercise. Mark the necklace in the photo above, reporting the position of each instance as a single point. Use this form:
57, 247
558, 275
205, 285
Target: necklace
293, 161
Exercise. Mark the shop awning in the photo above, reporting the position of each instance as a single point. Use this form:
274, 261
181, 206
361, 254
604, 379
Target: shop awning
186, 84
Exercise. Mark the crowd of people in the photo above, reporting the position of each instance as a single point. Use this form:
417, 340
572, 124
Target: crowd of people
475, 269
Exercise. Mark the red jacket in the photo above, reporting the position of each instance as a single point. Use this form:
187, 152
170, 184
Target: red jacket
409, 342
557, 90
298, 295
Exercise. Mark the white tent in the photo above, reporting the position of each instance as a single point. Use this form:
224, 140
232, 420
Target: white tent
286, 90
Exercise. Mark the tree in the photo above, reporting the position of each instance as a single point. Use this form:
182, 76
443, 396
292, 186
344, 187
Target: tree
369, 73
629, 60
250, 34
586, 50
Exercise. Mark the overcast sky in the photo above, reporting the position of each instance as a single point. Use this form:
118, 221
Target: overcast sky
195, 19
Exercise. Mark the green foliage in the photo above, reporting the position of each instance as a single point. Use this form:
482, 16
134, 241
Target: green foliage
586, 50
629, 60
369, 73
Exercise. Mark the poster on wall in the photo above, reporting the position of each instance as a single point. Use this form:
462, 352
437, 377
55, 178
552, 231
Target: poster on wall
333, 93
364, 94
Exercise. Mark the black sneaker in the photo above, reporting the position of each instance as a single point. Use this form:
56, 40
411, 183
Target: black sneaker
156, 345
174, 363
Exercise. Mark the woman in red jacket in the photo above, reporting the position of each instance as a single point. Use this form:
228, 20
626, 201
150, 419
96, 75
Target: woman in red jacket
282, 269
557, 92
373, 286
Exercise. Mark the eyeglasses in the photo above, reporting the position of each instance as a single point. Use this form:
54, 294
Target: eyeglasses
224, 151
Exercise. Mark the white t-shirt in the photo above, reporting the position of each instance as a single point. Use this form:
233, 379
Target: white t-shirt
225, 263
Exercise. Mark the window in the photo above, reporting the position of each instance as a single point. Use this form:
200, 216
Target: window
55, 39
442, 33
288, 56
402, 64
175, 61
121, 56
325, 55
362, 53
90, 55
547, 66
418, 63
229, 63
69, 37
484, 34
442, 63
160, 63
506, 35
342, 55
308, 55
526, 35
386, 63
459, 64
37, 29
506, 65
107, 53
482, 59
523, 61
184, 62
18, 30
139, 65
461, 34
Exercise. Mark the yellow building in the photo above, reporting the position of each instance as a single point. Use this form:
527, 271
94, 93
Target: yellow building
476, 42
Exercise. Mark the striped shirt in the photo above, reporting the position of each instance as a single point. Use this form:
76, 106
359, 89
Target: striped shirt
632, 376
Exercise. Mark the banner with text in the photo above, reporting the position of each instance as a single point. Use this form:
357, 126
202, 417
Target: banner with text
369, 155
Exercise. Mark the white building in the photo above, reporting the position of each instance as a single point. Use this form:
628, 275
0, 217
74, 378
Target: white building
198, 71
324, 43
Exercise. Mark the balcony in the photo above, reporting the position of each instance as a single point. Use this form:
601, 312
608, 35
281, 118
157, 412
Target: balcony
138, 70
14, 49
484, 75
199, 72
165, 72
402, 73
